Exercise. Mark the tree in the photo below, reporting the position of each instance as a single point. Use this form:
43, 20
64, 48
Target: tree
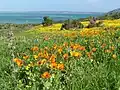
47, 21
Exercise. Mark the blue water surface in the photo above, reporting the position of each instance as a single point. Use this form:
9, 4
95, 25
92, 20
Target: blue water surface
37, 17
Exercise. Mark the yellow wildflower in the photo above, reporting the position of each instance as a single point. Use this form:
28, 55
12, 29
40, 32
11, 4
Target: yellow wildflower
114, 56
35, 57
41, 62
75, 54
53, 65
25, 57
60, 50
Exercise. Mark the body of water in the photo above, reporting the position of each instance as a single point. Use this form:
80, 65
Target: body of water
37, 17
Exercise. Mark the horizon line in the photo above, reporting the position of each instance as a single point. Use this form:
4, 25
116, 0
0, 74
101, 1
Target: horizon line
56, 11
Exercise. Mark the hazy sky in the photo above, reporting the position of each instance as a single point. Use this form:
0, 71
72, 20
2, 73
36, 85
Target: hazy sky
59, 5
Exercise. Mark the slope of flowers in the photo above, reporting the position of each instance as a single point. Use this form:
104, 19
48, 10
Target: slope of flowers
54, 27
107, 25
50, 59
91, 32
112, 23
63, 60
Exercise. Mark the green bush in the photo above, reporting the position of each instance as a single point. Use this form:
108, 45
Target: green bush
93, 23
72, 24
47, 21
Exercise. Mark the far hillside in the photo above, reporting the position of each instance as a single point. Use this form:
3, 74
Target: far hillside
114, 14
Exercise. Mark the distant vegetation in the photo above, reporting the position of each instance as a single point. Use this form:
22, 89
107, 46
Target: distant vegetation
47, 21
12, 26
93, 23
72, 23
68, 24
114, 14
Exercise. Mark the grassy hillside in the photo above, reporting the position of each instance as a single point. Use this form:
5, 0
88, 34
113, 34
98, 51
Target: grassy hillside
46, 58
114, 14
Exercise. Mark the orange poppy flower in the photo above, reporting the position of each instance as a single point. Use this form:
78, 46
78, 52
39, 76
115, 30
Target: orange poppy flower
72, 46
35, 48
15, 59
89, 54
60, 66
46, 48
103, 45
55, 46
46, 55
75, 47
65, 56
52, 58
94, 49
60, 50
40, 54
46, 38
46, 75
41, 62
25, 57
53, 65
82, 48
18, 62
73, 34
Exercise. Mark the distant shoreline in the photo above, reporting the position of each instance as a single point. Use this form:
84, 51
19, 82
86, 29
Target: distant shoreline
37, 17
53, 12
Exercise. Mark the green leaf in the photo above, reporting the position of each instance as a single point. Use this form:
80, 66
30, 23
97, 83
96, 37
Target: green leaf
47, 84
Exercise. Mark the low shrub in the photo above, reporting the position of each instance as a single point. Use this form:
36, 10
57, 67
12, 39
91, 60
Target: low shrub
74, 24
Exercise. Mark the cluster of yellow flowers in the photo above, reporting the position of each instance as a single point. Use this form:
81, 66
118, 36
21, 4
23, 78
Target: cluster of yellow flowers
55, 28
91, 32
112, 23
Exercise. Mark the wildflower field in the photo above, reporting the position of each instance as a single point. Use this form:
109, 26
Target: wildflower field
46, 58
